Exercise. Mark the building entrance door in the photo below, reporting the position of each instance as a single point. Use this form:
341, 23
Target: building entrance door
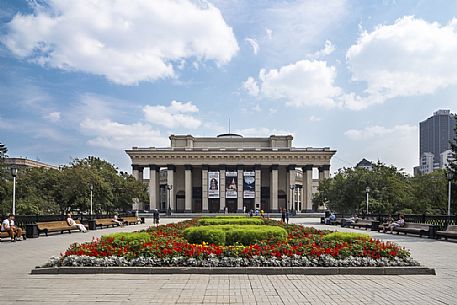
249, 204
213, 205
231, 204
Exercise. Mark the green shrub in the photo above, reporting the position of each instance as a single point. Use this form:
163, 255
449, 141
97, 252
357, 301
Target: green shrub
128, 237
229, 217
229, 221
234, 234
346, 236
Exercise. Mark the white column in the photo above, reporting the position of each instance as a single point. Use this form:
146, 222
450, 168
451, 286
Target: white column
258, 186
171, 181
308, 187
240, 190
205, 189
140, 174
188, 188
153, 187
222, 189
274, 189
291, 182
136, 172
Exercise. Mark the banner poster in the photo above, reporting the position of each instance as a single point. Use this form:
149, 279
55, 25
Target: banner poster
213, 184
249, 185
231, 184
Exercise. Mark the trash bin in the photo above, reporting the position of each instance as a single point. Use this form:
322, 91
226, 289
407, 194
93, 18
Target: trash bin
92, 224
31, 230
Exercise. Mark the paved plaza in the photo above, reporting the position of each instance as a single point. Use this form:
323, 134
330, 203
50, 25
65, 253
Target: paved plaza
19, 287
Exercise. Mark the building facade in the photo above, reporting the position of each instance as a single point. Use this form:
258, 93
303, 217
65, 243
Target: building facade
436, 132
207, 174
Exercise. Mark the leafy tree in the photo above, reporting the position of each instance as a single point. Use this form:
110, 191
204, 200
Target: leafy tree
452, 161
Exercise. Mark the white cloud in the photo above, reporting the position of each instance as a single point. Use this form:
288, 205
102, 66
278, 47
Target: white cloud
173, 115
269, 33
125, 41
328, 49
397, 145
53, 116
303, 83
261, 132
314, 119
113, 135
254, 45
250, 85
410, 57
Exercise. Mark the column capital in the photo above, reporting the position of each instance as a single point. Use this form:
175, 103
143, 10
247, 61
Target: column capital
257, 167
205, 167
137, 167
171, 167
187, 167
291, 167
324, 167
222, 167
153, 167
308, 167
274, 167
240, 167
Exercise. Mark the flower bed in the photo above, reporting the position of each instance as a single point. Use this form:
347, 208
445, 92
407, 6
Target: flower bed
168, 247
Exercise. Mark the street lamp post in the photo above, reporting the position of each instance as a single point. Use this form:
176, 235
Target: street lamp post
450, 177
292, 188
169, 188
14, 174
91, 197
368, 191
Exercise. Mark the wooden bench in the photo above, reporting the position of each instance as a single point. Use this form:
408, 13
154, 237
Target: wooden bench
417, 228
4, 234
451, 232
107, 222
365, 223
55, 226
128, 220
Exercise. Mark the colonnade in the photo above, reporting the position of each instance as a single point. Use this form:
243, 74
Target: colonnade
281, 178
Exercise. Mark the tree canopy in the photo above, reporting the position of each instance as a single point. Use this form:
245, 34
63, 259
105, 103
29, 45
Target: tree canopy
51, 191
391, 191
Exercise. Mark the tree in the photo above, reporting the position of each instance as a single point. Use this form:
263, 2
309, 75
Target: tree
452, 160
3, 151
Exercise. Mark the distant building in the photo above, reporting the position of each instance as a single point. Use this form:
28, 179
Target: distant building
365, 164
436, 132
26, 163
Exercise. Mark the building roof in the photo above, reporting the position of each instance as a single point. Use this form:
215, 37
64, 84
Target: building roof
23, 162
364, 163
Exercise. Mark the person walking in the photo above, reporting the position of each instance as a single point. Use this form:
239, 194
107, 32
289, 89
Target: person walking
283, 215
156, 216
287, 216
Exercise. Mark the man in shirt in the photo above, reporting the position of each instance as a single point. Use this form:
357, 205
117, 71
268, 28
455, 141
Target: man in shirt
9, 226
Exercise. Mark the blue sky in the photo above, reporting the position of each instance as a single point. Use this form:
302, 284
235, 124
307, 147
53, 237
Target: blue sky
83, 78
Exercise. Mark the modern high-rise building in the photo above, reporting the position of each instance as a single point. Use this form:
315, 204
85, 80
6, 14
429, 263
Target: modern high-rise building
436, 132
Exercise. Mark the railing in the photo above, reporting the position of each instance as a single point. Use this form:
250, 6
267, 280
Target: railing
441, 221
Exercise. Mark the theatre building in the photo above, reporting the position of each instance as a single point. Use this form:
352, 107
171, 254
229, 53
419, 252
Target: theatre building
208, 174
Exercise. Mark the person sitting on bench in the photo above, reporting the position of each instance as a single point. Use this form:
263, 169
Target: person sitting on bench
329, 219
116, 220
9, 226
72, 223
399, 223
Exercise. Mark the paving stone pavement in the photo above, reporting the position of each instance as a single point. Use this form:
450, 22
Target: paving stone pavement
17, 286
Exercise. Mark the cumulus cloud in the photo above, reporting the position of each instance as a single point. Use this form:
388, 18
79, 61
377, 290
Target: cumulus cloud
328, 49
397, 145
115, 135
124, 41
175, 115
254, 45
53, 116
262, 132
304, 83
410, 57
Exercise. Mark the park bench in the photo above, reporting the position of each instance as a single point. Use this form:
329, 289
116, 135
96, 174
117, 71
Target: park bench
4, 234
417, 228
365, 223
107, 222
55, 226
451, 232
128, 220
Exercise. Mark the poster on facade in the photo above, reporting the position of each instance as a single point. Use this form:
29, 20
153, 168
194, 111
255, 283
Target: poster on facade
231, 184
213, 184
249, 185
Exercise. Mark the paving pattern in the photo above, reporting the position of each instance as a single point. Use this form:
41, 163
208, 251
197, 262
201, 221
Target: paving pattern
17, 286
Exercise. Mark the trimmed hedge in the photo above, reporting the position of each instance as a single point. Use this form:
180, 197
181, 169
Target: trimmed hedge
128, 237
229, 217
234, 234
346, 236
229, 221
